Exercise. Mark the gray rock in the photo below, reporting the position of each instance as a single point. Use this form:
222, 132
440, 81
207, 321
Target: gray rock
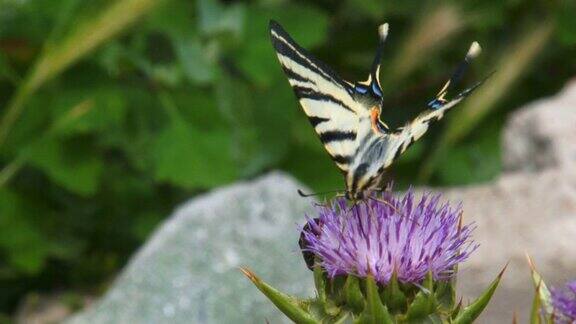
519, 214
188, 271
543, 134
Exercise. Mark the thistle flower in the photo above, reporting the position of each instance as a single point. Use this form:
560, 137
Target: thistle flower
383, 260
373, 238
564, 303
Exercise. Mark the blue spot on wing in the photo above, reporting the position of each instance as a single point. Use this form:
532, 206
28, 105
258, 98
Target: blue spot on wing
376, 89
436, 104
361, 89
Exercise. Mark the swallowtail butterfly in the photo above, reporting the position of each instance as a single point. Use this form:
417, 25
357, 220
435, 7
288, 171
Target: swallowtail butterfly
346, 115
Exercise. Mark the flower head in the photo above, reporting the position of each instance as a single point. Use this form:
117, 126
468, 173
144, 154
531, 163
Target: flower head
375, 238
564, 303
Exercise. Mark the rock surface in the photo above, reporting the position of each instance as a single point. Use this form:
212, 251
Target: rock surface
187, 272
519, 214
543, 134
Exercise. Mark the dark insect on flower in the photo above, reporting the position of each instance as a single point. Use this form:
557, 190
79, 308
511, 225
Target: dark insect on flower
379, 238
564, 303
306, 254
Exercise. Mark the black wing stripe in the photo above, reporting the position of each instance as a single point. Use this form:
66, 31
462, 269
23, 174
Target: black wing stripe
315, 120
309, 93
285, 45
337, 136
341, 159
295, 76
284, 50
359, 173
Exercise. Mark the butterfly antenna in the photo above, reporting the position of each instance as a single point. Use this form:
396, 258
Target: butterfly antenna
305, 195
439, 100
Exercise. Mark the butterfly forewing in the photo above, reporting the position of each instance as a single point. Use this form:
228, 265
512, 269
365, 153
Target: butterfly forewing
326, 99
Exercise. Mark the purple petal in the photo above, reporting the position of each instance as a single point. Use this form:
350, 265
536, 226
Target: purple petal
416, 237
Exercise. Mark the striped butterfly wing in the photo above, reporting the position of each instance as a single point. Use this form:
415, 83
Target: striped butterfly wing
327, 100
416, 128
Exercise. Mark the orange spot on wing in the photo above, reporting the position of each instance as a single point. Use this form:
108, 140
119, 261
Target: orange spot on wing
374, 119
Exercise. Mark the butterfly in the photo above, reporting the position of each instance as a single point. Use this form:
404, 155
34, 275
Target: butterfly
347, 116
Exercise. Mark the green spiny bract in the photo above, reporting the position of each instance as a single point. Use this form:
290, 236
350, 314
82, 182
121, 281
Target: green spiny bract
349, 299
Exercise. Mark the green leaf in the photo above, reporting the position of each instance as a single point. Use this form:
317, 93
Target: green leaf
313, 167
535, 313
217, 18
21, 238
456, 310
83, 39
472, 311
353, 294
256, 57
274, 115
474, 162
566, 23
72, 164
336, 290
288, 305
196, 63
445, 294
177, 19
393, 297
320, 283
7, 72
192, 159
259, 120
375, 312
371, 8
424, 303
542, 290
106, 115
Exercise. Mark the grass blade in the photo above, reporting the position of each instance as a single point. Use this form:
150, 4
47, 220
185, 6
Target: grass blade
71, 116
57, 57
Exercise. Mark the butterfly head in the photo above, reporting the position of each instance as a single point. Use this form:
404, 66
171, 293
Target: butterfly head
355, 196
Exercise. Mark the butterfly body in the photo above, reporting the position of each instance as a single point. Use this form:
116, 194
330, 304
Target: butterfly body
346, 116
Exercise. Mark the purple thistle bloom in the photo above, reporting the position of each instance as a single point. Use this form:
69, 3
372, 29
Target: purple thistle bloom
564, 303
374, 238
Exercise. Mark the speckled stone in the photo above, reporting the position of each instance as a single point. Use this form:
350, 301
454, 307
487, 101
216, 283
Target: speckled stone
519, 214
542, 134
188, 270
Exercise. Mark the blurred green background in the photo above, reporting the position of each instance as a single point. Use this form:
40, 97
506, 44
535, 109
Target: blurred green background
114, 112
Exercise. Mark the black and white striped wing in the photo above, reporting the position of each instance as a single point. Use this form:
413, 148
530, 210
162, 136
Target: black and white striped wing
413, 130
326, 99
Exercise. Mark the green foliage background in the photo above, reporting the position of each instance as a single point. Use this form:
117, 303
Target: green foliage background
113, 112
